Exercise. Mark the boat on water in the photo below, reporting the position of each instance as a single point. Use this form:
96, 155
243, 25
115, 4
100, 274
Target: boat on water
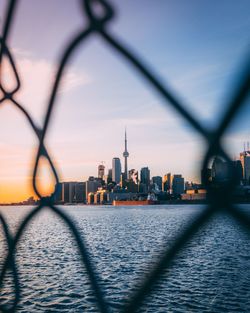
133, 202
151, 199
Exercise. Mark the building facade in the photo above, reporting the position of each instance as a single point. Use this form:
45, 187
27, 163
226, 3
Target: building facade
116, 170
167, 182
157, 180
177, 185
245, 162
145, 176
101, 171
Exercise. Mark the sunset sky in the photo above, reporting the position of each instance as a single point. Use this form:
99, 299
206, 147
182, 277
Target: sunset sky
196, 47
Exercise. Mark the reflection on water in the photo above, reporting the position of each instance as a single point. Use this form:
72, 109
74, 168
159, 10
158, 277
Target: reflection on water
211, 275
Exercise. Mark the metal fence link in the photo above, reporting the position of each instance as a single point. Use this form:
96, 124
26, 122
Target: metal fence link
219, 200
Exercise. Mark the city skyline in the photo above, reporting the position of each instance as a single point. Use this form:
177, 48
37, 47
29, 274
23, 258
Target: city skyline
196, 50
219, 172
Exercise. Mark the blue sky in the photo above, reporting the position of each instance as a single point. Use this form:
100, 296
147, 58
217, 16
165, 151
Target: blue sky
195, 47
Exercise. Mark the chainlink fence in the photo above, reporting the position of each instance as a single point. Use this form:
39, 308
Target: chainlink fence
219, 198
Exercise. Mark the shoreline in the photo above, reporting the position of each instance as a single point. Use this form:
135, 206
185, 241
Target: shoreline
169, 202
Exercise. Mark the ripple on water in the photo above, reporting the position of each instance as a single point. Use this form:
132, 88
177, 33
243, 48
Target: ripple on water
211, 275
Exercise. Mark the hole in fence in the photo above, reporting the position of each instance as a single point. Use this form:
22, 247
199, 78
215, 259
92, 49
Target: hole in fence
8, 79
45, 180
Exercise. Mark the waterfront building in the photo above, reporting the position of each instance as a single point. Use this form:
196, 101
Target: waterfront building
90, 198
131, 186
101, 171
206, 176
245, 162
177, 185
167, 182
133, 176
126, 155
110, 175
220, 170
157, 180
194, 194
58, 195
116, 170
143, 188
92, 185
145, 176
80, 192
68, 192
238, 171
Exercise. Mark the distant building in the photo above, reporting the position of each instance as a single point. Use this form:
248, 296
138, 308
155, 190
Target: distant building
101, 171
238, 171
133, 176
58, 195
90, 198
158, 181
126, 155
245, 162
80, 192
92, 185
68, 192
116, 170
167, 182
206, 176
177, 185
110, 175
220, 170
194, 194
145, 176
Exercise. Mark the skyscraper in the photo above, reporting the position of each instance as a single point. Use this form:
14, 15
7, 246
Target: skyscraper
116, 170
101, 171
167, 182
178, 185
126, 155
145, 176
220, 170
245, 161
158, 181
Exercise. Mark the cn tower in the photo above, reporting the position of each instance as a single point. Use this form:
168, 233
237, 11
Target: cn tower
126, 155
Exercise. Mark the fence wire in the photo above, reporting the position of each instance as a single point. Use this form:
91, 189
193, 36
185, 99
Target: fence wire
219, 199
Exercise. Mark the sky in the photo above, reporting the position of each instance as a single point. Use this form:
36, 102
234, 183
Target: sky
197, 48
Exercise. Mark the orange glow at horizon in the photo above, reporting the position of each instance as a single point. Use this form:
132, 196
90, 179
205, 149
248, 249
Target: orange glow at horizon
12, 192
15, 191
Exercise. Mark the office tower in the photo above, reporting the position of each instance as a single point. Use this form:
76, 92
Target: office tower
177, 185
158, 181
133, 176
92, 185
220, 170
167, 186
80, 192
206, 176
65, 192
245, 161
68, 192
145, 176
101, 171
126, 155
110, 175
58, 195
116, 170
238, 171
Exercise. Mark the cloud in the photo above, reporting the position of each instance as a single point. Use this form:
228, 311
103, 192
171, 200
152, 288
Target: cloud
37, 77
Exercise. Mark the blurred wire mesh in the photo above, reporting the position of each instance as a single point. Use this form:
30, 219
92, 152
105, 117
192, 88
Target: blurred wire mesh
220, 198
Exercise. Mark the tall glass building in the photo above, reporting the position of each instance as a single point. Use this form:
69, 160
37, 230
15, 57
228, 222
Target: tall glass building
116, 170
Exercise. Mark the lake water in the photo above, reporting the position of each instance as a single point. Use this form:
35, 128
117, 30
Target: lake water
212, 274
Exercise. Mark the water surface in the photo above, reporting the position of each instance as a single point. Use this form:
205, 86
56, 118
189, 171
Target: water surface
212, 274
